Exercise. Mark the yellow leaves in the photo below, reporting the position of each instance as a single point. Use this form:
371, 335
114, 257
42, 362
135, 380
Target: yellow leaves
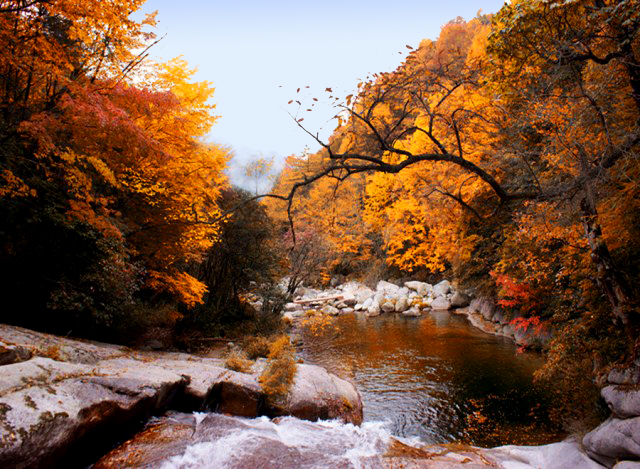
150, 19
12, 186
186, 288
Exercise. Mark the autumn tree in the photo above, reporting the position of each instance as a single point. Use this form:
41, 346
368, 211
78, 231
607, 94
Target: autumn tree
107, 171
508, 145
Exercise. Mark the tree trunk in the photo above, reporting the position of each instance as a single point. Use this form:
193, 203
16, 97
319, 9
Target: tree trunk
610, 280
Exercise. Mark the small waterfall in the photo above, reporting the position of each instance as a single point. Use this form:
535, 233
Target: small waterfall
222, 441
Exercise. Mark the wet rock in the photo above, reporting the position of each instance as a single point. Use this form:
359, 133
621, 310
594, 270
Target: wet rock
614, 440
347, 310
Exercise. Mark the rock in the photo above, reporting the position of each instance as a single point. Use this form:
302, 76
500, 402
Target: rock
330, 310
623, 402
414, 285
413, 311
13, 354
379, 298
402, 304
290, 315
347, 310
422, 288
614, 440
627, 465
50, 408
388, 307
624, 376
293, 307
442, 288
367, 303
459, 300
374, 310
563, 455
499, 317
441, 303
349, 300
317, 394
358, 307
484, 306
387, 287
64, 408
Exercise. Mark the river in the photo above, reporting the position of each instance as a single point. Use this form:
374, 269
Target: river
438, 379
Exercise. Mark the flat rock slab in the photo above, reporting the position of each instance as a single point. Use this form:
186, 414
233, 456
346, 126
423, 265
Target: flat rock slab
81, 396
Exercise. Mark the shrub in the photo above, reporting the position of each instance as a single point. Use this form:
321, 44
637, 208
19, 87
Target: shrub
256, 347
237, 361
277, 378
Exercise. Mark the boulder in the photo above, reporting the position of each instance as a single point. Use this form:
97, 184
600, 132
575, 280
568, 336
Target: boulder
614, 440
330, 310
624, 376
347, 310
374, 310
402, 304
624, 402
388, 307
387, 287
318, 394
442, 288
413, 311
460, 300
484, 306
358, 307
367, 303
441, 303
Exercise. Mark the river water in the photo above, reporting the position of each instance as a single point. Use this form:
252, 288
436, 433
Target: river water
438, 379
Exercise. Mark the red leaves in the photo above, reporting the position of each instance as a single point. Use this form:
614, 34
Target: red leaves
329, 90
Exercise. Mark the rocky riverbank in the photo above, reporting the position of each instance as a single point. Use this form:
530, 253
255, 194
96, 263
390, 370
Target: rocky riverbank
415, 298
63, 402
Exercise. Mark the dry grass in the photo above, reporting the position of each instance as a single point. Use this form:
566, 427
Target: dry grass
237, 361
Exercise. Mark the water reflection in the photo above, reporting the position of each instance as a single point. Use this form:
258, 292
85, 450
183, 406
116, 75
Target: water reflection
437, 378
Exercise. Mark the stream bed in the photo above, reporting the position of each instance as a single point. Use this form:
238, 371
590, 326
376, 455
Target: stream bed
438, 379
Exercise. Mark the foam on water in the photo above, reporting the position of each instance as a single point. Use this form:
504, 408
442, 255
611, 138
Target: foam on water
285, 442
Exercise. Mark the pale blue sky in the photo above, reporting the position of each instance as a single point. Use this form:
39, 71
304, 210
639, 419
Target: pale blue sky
248, 49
